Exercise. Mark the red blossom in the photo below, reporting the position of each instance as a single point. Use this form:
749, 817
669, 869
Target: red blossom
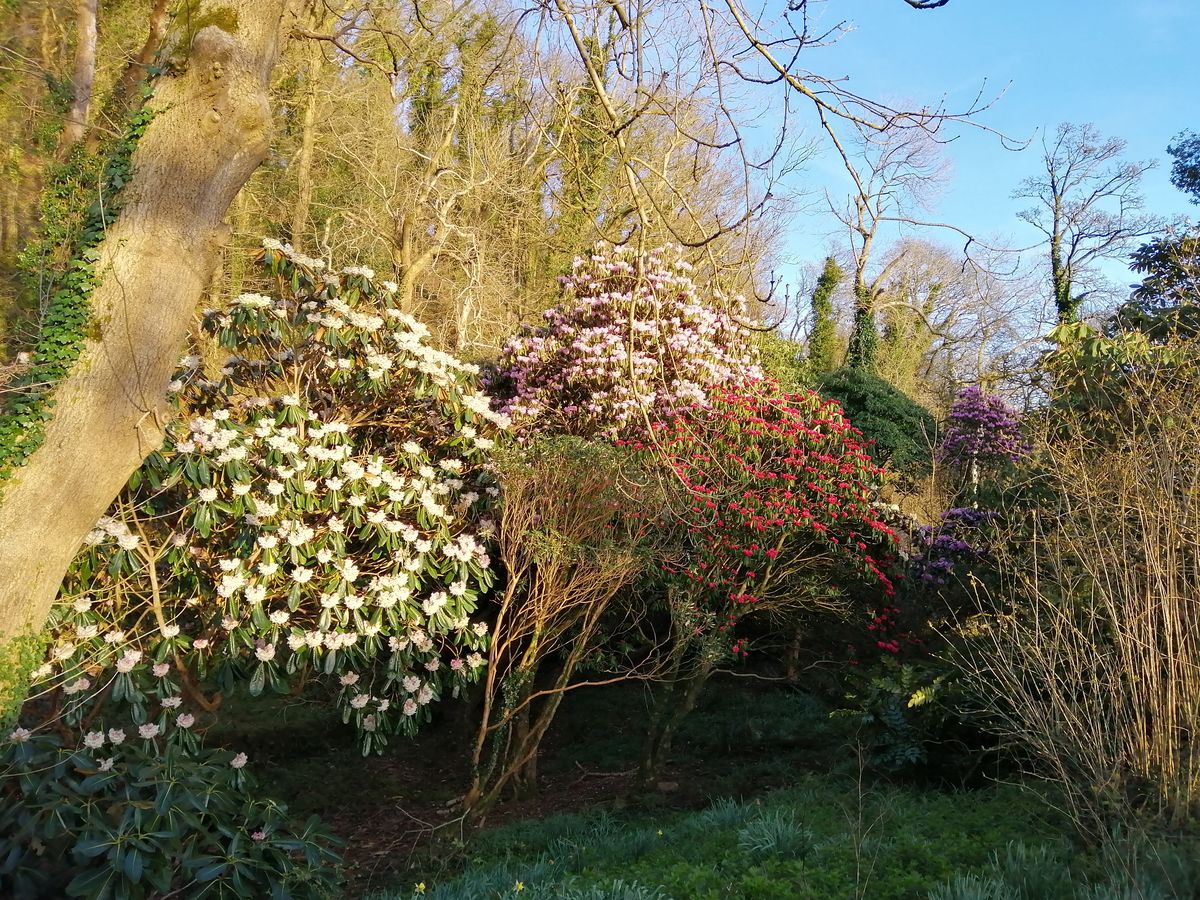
792, 476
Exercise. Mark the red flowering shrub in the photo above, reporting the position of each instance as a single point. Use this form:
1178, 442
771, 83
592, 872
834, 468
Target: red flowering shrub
776, 517
778, 511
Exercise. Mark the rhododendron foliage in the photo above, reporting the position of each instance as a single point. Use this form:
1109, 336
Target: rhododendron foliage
317, 510
637, 341
781, 506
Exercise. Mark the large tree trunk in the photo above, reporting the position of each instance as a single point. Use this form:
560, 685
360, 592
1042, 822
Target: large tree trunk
83, 77
211, 130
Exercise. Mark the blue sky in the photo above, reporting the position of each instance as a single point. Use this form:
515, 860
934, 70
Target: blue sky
1132, 68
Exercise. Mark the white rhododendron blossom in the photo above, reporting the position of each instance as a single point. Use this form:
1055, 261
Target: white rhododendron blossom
320, 507
632, 344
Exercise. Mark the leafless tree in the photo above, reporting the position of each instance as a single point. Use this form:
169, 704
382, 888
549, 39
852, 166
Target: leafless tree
894, 173
1088, 206
949, 319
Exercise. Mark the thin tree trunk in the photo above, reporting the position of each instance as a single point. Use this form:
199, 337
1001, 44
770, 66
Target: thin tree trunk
83, 76
402, 263
666, 723
9, 217
792, 657
520, 759
135, 70
237, 266
211, 130
307, 143
524, 770
50, 33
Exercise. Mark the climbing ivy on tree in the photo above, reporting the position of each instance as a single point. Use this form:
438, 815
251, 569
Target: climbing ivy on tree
864, 340
821, 349
63, 330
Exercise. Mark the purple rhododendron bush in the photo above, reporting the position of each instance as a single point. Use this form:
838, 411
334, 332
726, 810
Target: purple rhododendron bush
982, 429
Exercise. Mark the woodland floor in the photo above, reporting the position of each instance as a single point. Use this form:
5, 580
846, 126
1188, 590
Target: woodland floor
397, 811
743, 740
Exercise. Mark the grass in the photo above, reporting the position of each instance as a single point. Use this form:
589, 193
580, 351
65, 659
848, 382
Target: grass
808, 843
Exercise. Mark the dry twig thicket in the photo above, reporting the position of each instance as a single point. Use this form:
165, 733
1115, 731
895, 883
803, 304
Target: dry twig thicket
1094, 670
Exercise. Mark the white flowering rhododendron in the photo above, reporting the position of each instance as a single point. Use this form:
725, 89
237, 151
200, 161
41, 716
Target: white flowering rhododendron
317, 510
635, 343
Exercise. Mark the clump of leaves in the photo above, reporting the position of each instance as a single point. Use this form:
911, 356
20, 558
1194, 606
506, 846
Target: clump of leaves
149, 817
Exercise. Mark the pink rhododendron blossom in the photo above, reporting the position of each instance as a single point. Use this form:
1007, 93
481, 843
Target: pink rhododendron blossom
631, 344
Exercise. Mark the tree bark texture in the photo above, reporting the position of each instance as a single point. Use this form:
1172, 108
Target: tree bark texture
211, 130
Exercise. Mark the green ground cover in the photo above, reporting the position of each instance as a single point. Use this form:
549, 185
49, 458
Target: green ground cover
825, 837
769, 798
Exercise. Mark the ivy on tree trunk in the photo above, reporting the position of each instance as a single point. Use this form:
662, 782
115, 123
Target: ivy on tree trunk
210, 130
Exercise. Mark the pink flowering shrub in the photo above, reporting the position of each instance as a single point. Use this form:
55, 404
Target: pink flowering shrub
631, 344
317, 512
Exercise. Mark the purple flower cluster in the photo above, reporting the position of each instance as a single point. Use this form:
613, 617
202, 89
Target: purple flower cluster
633, 344
983, 429
942, 546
